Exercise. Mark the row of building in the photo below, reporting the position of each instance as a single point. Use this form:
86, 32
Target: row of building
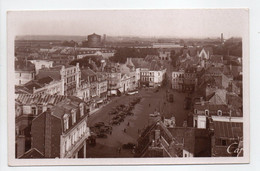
53, 102
214, 126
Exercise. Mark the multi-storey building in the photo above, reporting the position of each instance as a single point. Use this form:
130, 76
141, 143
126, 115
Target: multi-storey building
69, 73
102, 86
62, 131
177, 79
45, 85
27, 107
184, 80
39, 64
24, 72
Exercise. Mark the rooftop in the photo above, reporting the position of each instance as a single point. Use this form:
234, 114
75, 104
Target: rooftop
228, 129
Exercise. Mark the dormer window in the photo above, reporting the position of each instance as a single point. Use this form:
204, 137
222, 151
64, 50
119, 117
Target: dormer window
66, 122
207, 112
81, 109
73, 112
219, 113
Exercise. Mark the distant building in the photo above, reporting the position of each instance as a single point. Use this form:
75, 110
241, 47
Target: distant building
24, 72
94, 40
62, 131
177, 80
185, 81
222, 38
70, 74
102, 87
165, 55
39, 64
152, 73
45, 85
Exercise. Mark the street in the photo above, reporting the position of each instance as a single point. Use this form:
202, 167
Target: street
151, 101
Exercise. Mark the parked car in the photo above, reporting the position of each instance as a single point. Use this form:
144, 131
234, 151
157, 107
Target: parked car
99, 124
101, 135
133, 92
128, 146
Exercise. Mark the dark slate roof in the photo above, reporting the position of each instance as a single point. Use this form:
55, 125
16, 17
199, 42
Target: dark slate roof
216, 58
55, 74
140, 63
228, 129
85, 73
30, 85
65, 106
24, 66
155, 65
45, 80
33, 153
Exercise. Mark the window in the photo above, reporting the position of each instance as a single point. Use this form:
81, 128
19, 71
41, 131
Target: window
219, 113
34, 110
207, 112
73, 112
195, 123
195, 111
223, 142
66, 121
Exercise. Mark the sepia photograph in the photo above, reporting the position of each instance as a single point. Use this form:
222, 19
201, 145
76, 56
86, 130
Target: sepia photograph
101, 87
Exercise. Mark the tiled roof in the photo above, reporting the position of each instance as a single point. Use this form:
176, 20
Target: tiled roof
39, 99
228, 129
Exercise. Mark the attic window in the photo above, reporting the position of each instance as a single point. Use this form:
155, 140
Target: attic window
81, 110
66, 121
73, 112
219, 113
207, 112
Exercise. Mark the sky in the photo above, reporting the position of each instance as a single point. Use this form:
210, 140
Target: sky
144, 23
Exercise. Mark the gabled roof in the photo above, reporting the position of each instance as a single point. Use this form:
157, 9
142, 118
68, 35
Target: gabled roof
33, 153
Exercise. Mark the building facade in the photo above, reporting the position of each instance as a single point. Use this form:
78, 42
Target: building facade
62, 131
